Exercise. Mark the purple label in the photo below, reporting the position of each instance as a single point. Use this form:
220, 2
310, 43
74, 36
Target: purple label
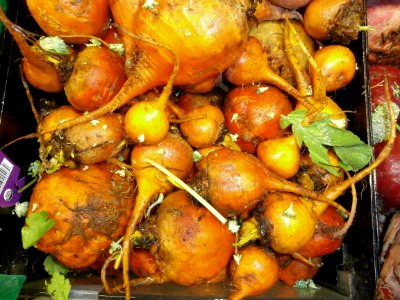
9, 182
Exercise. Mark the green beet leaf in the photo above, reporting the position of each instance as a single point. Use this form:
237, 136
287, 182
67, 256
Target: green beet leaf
330, 135
37, 224
322, 135
354, 162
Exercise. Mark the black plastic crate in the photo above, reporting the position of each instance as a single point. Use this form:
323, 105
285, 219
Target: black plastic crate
349, 273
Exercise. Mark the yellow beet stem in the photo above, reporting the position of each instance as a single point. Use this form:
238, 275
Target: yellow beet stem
104, 273
21, 37
335, 191
184, 186
129, 90
303, 259
157, 278
342, 231
316, 92
301, 76
164, 97
255, 58
319, 91
146, 191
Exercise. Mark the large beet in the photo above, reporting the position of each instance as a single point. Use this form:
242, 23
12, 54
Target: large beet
91, 206
71, 18
388, 179
181, 43
193, 245
180, 26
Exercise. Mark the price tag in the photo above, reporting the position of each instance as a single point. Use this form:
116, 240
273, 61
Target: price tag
9, 182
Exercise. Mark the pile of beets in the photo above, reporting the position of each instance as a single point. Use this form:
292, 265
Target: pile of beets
384, 57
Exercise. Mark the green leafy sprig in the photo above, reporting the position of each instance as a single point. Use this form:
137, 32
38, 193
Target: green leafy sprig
322, 135
59, 286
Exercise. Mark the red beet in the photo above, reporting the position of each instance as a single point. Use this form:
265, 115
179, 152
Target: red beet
376, 74
388, 172
388, 177
383, 41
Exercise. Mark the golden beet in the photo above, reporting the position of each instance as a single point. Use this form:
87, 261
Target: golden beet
91, 206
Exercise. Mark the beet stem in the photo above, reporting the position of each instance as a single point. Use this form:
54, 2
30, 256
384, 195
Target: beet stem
184, 186
346, 227
337, 190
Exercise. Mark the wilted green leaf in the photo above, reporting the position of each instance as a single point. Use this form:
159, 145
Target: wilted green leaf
305, 284
381, 122
119, 48
54, 44
93, 43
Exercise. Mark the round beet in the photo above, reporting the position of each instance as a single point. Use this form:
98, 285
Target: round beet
98, 75
256, 272
388, 177
253, 114
193, 245
388, 182
91, 206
